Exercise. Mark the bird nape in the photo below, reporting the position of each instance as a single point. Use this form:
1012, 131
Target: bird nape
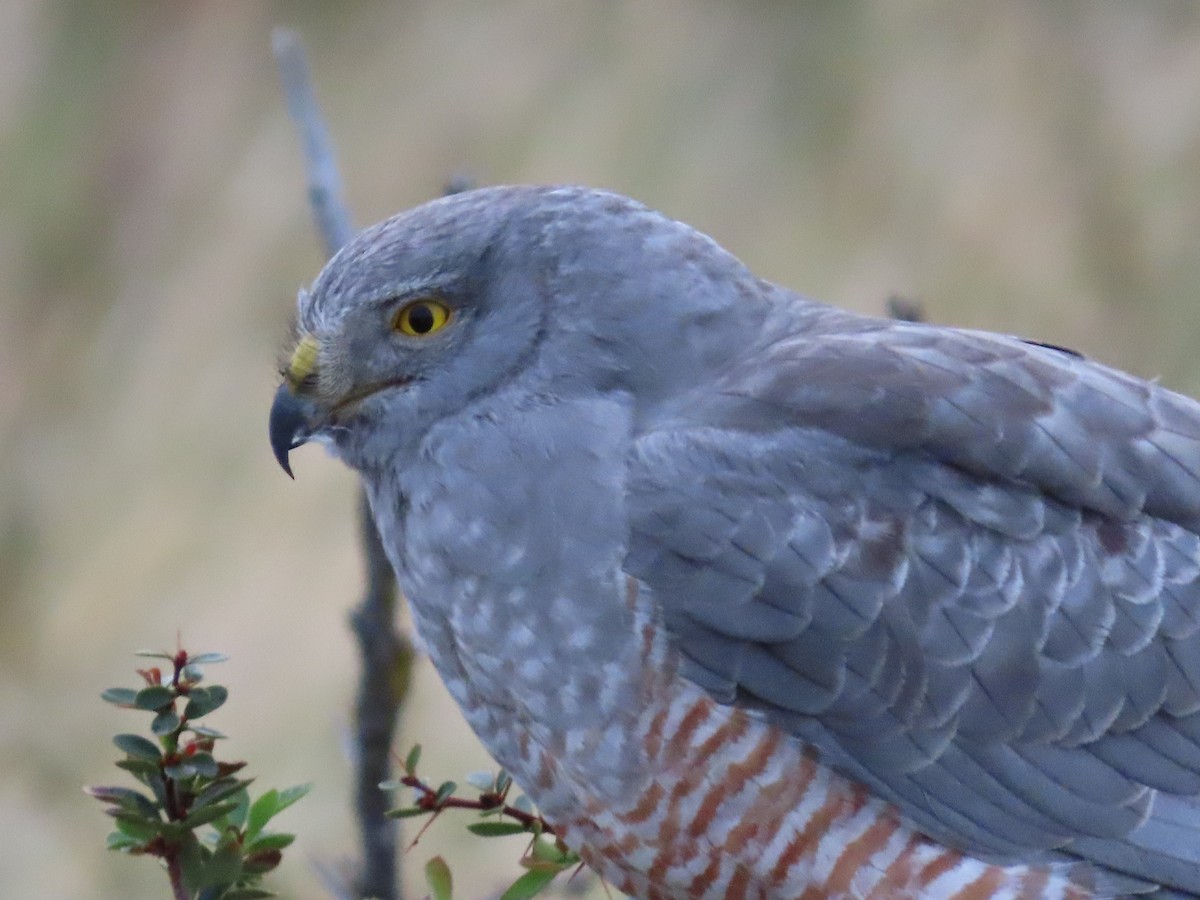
760, 598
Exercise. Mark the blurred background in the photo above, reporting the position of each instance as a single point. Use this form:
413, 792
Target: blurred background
1023, 167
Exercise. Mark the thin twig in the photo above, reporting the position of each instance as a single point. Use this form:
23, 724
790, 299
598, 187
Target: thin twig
382, 690
386, 655
488, 801
325, 191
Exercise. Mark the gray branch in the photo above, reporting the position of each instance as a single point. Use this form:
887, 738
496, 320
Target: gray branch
325, 191
386, 654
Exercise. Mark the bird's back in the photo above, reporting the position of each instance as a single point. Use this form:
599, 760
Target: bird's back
961, 567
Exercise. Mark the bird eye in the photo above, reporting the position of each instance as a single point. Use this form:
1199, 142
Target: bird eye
421, 318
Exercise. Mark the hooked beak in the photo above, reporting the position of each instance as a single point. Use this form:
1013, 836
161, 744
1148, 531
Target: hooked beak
290, 424
296, 416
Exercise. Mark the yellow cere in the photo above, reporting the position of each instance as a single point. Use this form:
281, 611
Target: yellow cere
303, 362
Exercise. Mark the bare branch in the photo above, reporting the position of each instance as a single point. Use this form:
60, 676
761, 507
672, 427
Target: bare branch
382, 690
386, 654
325, 191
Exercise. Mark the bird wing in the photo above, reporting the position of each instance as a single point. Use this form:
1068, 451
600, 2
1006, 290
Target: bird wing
965, 567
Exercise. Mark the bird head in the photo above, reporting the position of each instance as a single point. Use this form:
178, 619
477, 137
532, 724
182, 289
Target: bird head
383, 332
561, 289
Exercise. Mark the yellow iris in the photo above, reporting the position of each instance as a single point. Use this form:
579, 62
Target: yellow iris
422, 318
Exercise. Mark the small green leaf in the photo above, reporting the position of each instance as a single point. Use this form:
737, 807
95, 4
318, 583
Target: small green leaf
410, 761
205, 731
481, 781
139, 768
204, 764
530, 884
179, 771
218, 791
156, 696
540, 865
406, 812
137, 828
197, 700
237, 818
437, 874
503, 782
445, 791
288, 796
165, 722
142, 806
497, 829
208, 813
127, 799
158, 785
120, 696
261, 811
269, 805
123, 842
270, 842
223, 867
546, 851
106, 794
204, 659
202, 701
138, 747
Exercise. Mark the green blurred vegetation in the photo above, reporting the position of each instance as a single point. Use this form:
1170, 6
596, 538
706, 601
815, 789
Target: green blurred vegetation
1024, 167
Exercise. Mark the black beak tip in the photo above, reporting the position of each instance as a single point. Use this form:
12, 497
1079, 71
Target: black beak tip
288, 426
281, 455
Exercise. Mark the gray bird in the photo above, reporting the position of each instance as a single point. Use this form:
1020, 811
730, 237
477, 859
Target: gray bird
756, 597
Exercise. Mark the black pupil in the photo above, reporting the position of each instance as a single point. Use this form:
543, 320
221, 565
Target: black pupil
420, 319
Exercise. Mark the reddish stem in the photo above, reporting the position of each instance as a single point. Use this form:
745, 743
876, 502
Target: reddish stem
486, 801
175, 873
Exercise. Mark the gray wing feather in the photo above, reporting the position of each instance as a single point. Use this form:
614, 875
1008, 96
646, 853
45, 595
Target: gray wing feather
964, 567
1165, 845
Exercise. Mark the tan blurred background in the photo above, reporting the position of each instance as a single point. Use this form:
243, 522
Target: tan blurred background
1020, 166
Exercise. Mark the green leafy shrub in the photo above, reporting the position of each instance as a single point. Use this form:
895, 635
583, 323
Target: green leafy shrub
545, 856
196, 815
